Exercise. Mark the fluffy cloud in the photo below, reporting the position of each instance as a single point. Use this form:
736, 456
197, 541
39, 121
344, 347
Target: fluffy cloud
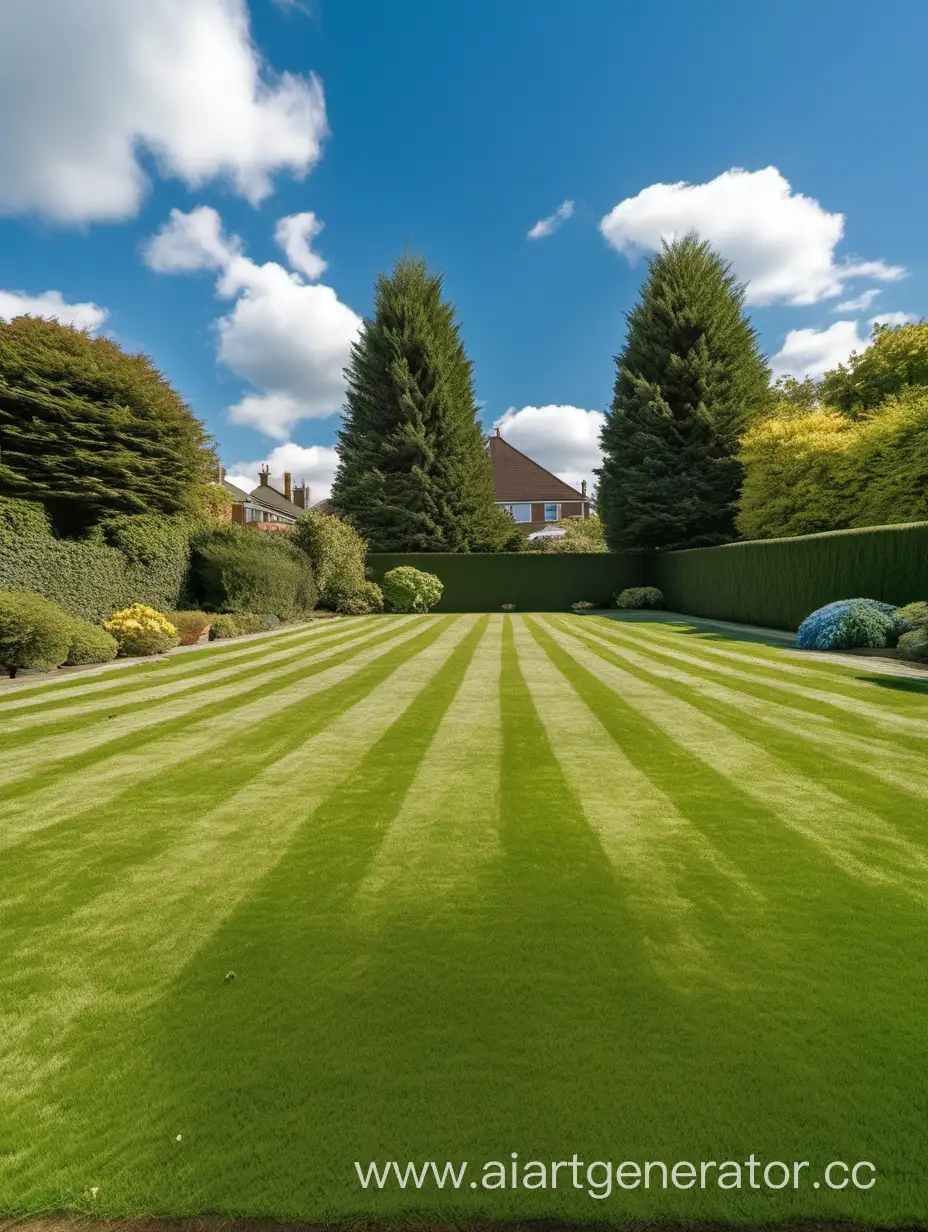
811, 352
781, 243
51, 304
91, 86
314, 465
860, 303
295, 235
563, 439
547, 226
287, 338
894, 318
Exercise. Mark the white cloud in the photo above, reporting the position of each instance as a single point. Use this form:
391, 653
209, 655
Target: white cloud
51, 304
85, 88
781, 243
562, 439
812, 352
295, 235
287, 338
314, 465
861, 303
547, 226
893, 318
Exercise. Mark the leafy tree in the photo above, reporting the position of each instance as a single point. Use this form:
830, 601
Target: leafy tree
91, 431
791, 396
896, 358
414, 473
688, 381
582, 535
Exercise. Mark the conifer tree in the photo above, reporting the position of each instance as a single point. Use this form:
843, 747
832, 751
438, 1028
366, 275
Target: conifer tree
688, 382
414, 472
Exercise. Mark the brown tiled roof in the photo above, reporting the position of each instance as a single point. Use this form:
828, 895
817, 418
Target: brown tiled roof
517, 478
323, 506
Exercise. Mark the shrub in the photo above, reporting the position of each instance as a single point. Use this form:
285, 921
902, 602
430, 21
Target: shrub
582, 605
269, 621
366, 599
913, 645
849, 623
509, 607
410, 590
914, 615
237, 624
640, 598
33, 632
22, 517
140, 630
240, 569
190, 626
90, 644
336, 552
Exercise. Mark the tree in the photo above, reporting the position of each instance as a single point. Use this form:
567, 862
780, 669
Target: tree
414, 472
896, 359
582, 535
91, 431
688, 381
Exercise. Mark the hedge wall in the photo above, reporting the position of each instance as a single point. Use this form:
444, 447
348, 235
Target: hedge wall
483, 582
91, 578
778, 582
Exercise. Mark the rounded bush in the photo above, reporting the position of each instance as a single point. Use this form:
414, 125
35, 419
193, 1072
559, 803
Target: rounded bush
640, 598
582, 605
90, 644
34, 632
190, 626
410, 590
269, 621
140, 630
849, 623
362, 601
914, 615
913, 645
237, 624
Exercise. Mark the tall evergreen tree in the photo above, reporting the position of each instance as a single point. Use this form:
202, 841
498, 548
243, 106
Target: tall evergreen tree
414, 472
91, 431
689, 380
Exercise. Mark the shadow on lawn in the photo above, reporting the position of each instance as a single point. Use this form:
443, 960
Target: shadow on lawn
692, 627
902, 684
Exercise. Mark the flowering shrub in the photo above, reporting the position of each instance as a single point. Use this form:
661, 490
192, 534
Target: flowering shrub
410, 590
582, 605
140, 630
90, 644
34, 632
913, 645
640, 598
849, 623
914, 615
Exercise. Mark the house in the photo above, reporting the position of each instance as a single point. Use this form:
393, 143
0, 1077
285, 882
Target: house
266, 507
531, 494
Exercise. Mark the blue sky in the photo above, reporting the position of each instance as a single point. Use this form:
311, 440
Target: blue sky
457, 126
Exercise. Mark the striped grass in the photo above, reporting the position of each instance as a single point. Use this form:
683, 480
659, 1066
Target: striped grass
455, 887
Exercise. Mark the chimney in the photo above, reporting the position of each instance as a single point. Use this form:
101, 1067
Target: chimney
583, 487
287, 488
263, 474
497, 431
298, 496
222, 473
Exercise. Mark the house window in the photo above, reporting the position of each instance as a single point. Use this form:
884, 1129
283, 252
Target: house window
552, 513
521, 513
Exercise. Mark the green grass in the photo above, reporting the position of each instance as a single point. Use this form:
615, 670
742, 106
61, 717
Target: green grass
536, 884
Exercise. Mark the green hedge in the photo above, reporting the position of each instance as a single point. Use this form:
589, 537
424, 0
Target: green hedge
483, 582
778, 582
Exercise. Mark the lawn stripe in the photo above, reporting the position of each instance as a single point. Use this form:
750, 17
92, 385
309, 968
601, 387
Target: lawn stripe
856, 840
446, 830
900, 762
127, 944
138, 694
251, 697
854, 706
646, 838
27, 692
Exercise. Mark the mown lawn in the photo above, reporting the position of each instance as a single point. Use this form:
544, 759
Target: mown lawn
546, 885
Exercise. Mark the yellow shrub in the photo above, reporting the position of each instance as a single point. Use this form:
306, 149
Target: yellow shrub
140, 630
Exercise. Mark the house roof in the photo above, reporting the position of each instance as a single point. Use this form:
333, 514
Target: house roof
235, 492
323, 506
517, 478
264, 494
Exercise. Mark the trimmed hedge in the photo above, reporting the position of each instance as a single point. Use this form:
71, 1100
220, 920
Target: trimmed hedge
778, 582
534, 582
240, 569
92, 578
